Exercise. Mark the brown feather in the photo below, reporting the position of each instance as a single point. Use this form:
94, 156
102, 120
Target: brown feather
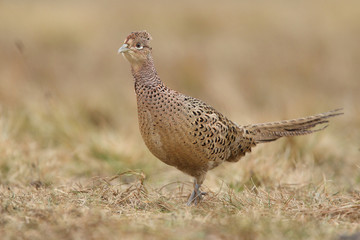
265, 132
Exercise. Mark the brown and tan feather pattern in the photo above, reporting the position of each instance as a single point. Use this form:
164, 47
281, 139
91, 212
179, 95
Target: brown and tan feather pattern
265, 132
187, 133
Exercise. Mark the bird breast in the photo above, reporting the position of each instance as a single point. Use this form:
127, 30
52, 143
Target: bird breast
164, 127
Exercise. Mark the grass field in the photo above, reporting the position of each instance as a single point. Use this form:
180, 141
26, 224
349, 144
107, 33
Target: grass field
72, 161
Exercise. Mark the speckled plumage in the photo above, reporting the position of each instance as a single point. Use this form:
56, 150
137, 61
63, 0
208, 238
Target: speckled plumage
188, 134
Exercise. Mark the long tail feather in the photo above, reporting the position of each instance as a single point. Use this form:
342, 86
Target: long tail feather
265, 132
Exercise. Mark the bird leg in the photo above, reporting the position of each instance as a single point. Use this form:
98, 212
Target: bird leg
196, 196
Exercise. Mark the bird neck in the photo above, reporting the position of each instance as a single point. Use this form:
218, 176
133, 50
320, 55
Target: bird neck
145, 75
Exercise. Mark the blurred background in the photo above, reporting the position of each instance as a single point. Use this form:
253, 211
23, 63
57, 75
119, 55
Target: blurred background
67, 105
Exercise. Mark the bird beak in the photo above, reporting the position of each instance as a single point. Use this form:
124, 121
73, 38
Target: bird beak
124, 48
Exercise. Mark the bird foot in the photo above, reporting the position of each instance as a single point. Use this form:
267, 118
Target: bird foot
196, 196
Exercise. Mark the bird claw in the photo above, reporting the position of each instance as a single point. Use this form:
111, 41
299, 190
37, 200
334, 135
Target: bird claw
196, 196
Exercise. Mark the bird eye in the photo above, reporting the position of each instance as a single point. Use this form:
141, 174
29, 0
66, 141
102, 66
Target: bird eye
138, 46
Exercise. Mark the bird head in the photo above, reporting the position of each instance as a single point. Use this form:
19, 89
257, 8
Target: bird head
136, 48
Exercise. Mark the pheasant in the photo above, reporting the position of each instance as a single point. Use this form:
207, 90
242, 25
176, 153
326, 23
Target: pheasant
189, 134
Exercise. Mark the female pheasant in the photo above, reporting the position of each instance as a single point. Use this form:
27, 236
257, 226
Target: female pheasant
187, 133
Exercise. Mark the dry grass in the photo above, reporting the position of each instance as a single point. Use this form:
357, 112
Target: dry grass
72, 162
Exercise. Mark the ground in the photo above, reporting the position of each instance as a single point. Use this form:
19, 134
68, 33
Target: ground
72, 161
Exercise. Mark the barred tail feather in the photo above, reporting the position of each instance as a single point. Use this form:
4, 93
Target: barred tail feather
266, 132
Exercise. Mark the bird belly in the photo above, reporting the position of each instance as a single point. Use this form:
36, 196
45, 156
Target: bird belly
168, 141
